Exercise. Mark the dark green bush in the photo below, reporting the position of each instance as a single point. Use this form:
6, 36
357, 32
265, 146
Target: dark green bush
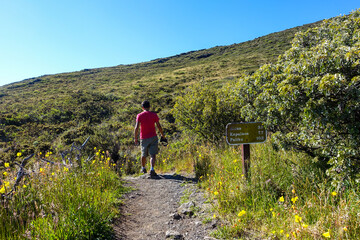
205, 111
310, 99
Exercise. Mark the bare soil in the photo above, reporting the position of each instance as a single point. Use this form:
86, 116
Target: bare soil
168, 207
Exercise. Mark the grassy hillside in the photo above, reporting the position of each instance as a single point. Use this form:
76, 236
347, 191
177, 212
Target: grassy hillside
302, 184
55, 110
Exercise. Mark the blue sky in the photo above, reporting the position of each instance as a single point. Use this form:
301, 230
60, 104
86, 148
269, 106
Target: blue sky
39, 37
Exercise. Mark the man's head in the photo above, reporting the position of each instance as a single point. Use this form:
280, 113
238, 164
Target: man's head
146, 105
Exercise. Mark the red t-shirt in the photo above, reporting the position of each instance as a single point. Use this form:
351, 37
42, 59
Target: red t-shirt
147, 122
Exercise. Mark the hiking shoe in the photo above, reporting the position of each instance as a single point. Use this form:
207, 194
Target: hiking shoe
143, 170
153, 173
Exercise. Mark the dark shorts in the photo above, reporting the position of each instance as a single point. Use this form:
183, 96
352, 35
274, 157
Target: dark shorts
149, 146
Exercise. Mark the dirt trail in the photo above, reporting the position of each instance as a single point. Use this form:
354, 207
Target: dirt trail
153, 211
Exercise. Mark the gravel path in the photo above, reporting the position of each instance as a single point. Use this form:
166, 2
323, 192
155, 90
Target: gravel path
153, 209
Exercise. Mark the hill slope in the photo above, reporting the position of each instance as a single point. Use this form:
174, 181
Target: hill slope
58, 109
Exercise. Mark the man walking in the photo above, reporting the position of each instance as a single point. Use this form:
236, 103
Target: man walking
147, 120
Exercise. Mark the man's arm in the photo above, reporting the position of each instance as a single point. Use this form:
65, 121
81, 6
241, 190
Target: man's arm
136, 132
160, 129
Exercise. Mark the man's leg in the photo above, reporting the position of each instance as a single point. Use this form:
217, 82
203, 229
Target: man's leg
143, 162
153, 150
144, 154
152, 161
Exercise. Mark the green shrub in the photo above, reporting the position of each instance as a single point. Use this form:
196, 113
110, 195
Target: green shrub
204, 111
310, 99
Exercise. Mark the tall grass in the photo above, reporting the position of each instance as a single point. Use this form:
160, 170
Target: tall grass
57, 202
287, 196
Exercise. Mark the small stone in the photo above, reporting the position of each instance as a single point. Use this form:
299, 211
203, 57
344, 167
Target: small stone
175, 216
186, 208
171, 234
214, 223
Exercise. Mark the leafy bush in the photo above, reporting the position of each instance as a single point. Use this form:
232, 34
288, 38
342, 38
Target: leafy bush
205, 111
310, 98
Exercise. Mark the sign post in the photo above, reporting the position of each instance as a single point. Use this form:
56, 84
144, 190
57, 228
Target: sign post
245, 133
245, 149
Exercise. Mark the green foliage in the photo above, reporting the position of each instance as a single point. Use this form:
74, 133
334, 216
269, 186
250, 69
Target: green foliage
310, 99
205, 111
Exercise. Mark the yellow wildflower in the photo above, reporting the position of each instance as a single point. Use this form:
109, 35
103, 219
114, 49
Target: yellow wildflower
298, 218
19, 154
2, 190
281, 231
52, 174
241, 213
304, 225
281, 199
41, 170
214, 216
24, 186
66, 169
7, 184
287, 235
345, 228
334, 194
294, 199
216, 193
7, 165
327, 234
5, 174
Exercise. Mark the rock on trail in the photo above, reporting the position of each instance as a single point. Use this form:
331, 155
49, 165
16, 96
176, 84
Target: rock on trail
153, 210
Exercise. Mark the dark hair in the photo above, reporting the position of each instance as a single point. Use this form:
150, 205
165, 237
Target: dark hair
145, 104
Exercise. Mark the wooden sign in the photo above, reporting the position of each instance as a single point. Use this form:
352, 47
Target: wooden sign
245, 133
